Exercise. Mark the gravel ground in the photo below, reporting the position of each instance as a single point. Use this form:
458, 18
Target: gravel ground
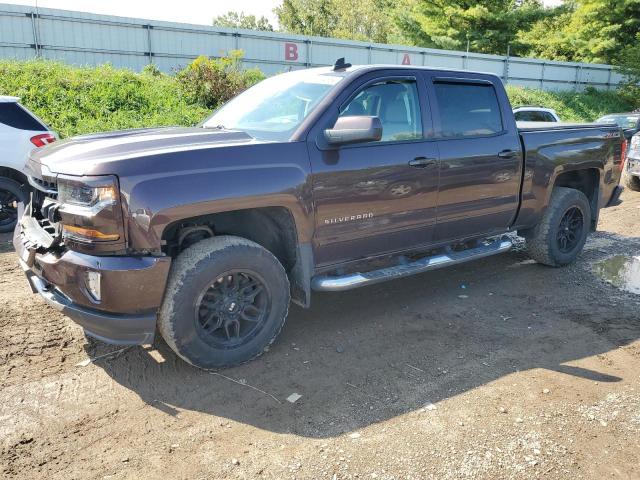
501, 368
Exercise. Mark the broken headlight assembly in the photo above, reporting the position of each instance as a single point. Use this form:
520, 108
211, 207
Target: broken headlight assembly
90, 209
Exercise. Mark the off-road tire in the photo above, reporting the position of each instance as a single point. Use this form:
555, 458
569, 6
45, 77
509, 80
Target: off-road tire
542, 244
13, 187
631, 182
199, 266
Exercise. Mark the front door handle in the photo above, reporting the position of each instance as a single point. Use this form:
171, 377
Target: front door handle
507, 154
422, 162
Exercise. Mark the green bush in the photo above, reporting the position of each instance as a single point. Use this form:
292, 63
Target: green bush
211, 82
583, 106
76, 100
81, 100
152, 69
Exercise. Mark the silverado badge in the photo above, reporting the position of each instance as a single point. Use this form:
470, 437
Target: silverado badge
347, 218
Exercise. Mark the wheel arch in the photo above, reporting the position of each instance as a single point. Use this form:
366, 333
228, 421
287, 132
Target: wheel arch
273, 228
587, 181
13, 174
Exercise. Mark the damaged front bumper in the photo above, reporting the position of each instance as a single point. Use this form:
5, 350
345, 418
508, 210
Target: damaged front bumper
131, 287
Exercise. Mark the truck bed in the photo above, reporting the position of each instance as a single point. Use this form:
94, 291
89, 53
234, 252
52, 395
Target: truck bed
551, 149
538, 126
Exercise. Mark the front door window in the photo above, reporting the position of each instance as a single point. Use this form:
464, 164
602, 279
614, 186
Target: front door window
395, 103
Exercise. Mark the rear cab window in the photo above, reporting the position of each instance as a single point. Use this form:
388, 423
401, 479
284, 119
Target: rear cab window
467, 109
14, 115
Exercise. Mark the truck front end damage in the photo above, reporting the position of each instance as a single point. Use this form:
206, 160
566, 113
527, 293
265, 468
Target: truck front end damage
72, 247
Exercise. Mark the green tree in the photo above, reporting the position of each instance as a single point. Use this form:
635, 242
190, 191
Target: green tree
549, 37
365, 20
488, 26
601, 31
240, 20
369, 20
630, 68
307, 17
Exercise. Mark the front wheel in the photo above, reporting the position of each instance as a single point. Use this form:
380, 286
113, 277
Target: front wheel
227, 299
561, 234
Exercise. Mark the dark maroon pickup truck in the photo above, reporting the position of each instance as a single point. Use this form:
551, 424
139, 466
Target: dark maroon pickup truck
323, 179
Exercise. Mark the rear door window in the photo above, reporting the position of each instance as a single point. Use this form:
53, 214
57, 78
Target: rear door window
15, 116
467, 109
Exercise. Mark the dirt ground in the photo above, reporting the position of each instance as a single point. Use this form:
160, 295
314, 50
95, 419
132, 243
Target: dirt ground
501, 368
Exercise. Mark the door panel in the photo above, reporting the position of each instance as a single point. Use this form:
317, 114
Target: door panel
479, 191
480, 159
368, 198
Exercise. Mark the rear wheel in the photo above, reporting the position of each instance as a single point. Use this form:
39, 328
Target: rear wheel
226, 301
11, 193
561, 234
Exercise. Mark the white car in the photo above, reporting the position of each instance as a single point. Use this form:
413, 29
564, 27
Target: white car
631, 168
533, 113
20, 132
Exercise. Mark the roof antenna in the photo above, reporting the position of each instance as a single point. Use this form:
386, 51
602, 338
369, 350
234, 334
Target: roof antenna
340, 65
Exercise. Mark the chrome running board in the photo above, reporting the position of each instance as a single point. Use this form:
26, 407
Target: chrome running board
354, 280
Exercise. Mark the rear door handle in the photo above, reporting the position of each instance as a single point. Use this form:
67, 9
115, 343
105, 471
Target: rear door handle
422, 162
507, 154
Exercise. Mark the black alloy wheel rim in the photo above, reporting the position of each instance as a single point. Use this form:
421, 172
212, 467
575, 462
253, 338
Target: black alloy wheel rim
233, 309
570, 230
8, 209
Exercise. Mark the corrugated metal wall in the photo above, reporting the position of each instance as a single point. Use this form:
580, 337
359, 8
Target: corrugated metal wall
87, 39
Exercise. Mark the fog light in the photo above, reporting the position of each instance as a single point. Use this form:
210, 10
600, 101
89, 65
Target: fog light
93, 285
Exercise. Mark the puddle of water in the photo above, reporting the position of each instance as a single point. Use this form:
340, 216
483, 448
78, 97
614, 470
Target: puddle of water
623, 271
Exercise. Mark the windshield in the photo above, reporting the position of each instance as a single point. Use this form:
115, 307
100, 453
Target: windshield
275, 107
623, 121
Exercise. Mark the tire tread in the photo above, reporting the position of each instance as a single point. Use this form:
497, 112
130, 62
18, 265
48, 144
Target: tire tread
186, 263
538, 244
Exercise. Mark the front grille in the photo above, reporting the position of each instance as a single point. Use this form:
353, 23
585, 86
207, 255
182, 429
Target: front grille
49, 187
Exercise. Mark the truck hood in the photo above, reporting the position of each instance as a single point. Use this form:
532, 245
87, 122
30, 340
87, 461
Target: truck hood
79, 155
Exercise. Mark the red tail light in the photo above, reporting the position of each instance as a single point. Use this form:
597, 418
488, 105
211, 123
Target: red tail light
623, 153
43, 139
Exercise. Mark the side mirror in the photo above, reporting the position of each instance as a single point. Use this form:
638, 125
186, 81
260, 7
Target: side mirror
356, 129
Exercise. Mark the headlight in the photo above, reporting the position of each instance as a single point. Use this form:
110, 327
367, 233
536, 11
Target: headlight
89, 208
88, 194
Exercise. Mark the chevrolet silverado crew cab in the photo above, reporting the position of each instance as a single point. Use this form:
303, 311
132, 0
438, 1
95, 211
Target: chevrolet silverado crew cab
325, 179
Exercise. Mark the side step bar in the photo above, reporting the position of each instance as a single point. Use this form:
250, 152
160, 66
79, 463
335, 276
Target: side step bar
354, 280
